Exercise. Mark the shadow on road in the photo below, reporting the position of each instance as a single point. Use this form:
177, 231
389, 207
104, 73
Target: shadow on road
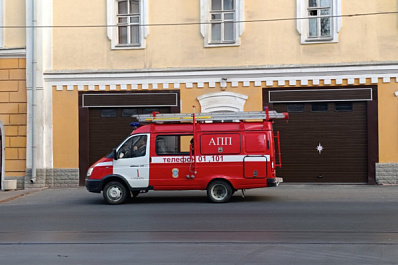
178, 199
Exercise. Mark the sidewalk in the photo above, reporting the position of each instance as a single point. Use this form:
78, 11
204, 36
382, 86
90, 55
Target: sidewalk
6, 196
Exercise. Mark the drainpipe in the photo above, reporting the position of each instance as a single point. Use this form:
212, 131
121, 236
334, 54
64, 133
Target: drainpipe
31, 42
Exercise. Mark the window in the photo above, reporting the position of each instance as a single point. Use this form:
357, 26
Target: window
343, 107
318, 20
222, 19
127, 23
129, 112
173, 144
150, 110
220, 22
319, 12
135, 146
298, 107
319, 107
108, 113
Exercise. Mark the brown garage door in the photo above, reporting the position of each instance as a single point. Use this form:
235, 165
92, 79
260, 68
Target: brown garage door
324, 142
104, 120
108, 127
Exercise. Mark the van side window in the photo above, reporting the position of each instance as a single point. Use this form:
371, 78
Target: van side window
133, 147
172, 144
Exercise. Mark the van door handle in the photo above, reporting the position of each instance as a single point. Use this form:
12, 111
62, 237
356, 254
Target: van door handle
137, 166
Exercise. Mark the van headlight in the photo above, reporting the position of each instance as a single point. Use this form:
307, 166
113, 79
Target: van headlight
90, 171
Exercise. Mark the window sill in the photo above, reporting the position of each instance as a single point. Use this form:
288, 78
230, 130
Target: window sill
128, 47
221, 44
318, 41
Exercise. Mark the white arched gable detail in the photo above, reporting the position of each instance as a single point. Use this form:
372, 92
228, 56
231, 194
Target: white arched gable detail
222, 101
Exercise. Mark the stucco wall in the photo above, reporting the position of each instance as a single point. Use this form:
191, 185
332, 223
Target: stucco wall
388, 123
66, 129
14, 16
361, 39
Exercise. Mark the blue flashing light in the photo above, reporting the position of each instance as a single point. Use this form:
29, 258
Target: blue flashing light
135, 124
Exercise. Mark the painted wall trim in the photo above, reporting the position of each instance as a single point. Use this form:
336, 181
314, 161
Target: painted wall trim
39, 99
260, 76
12, 53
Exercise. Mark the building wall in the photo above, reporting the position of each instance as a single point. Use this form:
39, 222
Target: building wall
66, 121
14, 37
388, 123
361, 38
13, 115
66, 129
82, 60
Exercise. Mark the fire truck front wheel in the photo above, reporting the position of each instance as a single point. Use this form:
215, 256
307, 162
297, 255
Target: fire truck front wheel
219, 191
115, 192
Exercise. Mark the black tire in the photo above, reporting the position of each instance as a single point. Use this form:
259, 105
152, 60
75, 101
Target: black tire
219, 191
115, 192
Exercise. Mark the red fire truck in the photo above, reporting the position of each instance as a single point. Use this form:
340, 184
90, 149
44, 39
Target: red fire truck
217, 152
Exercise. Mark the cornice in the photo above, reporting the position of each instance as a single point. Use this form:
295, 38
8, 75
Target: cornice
196, 77
13, 53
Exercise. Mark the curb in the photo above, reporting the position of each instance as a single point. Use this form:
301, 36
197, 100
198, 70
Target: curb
21, 194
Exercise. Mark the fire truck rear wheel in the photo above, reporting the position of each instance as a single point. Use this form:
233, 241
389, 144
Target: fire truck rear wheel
115, 193
219, 191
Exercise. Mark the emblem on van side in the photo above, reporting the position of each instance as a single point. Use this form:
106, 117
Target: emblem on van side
175, 172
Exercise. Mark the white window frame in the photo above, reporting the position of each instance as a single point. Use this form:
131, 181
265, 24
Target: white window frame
206, 23
112, 23
303, 20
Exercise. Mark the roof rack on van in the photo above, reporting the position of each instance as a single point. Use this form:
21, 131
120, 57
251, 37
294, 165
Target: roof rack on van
214, 116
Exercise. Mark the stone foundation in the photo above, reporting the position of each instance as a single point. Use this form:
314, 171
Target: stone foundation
20, 181
53, 178
387, 173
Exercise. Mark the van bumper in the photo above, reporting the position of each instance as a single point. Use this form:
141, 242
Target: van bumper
94, 185
274, 182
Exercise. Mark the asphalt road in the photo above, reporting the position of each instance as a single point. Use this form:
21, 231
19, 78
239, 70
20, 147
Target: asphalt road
291, 224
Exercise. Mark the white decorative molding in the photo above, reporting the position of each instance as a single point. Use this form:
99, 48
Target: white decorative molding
12, 53
222, 101
198, 78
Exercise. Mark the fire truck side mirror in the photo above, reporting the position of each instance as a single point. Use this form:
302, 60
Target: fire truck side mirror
114, 154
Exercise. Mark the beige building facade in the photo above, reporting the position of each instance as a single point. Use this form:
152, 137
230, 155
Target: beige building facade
84, 68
